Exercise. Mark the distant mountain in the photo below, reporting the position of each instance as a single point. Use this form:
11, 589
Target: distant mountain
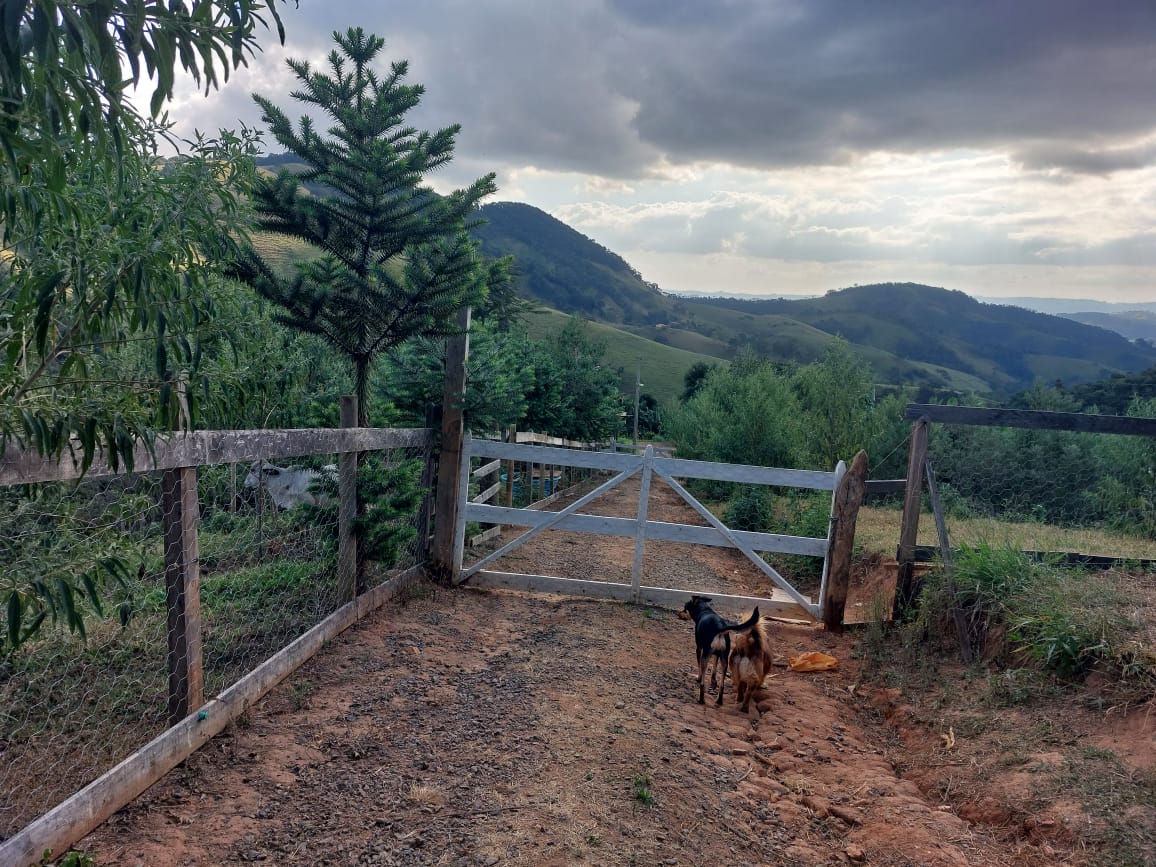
911, 334
1133, 324
1009, 347
1060, 306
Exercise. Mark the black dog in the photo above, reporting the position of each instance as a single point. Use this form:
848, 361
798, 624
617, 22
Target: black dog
712, 639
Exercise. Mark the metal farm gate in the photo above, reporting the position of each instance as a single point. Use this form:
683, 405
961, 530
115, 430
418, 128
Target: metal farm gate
784, 599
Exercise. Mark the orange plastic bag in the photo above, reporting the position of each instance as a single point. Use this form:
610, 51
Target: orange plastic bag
812, 660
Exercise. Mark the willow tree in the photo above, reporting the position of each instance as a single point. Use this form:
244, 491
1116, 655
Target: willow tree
394, 257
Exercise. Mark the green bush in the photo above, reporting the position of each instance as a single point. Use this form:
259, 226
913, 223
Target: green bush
750, 510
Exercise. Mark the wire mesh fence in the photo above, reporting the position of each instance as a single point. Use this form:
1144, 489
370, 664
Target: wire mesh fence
102, 640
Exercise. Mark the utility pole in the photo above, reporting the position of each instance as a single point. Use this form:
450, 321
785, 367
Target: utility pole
637, 395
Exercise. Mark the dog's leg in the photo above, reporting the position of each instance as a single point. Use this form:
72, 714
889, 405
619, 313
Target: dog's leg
722, 681
702, 661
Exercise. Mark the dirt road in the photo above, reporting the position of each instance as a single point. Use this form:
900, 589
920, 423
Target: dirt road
484, 728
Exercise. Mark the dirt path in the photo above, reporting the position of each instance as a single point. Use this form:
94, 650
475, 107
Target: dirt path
485, 728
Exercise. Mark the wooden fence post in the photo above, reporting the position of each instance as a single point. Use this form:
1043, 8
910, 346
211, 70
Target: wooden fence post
845, 512
961, 633
905, 589
348, 556
428, 471
180, 510
448, 500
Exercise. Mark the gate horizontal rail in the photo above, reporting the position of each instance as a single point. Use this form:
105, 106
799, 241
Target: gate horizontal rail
791, 602
659, 531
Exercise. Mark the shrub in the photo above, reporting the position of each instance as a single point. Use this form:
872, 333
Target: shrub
750, 510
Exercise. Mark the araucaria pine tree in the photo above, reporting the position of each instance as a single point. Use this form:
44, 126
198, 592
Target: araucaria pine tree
395, 258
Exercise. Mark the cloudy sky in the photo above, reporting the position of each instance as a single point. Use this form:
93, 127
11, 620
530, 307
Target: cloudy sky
788, 146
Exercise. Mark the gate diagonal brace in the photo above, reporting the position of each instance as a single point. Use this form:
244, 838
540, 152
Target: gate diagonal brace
556, 518
763, 565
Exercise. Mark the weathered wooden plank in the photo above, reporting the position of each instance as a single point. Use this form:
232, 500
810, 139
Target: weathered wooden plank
548, 455
486, 469
879, 487
543, 439
70, 821
485, 536
640, 522
659, 531
845, 512
684, 469
488, 494
840, 472
1082, 422
776, 605
347, 546
453, 463
545, 501
208, 448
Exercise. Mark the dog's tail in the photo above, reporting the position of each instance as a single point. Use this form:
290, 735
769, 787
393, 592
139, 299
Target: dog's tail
750, 623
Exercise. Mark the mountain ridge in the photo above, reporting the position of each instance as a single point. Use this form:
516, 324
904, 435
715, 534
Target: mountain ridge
910, 333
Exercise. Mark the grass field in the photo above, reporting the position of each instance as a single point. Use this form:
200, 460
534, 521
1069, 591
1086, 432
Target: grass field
877, 530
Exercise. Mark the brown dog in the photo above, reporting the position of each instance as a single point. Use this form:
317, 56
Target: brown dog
711, 640
750, 659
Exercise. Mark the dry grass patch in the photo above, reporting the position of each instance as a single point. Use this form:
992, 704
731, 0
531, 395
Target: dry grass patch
877, 529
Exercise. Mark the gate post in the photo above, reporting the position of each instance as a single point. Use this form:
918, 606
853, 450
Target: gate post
909, 531
844, 514
180, 511
444, 564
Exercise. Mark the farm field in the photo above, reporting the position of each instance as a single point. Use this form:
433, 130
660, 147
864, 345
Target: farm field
484, 727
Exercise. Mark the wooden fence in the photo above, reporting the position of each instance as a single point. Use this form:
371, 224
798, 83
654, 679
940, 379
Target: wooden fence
193, 721
919, 468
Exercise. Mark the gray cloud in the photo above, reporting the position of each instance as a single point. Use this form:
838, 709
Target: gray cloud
622, 88
1079, 160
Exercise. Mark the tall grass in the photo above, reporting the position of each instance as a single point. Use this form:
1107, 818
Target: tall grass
1022, 612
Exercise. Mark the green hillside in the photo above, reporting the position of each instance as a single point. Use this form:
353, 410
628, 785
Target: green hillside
563, 269
911, 334
1134, 324
663, 367
1008, 347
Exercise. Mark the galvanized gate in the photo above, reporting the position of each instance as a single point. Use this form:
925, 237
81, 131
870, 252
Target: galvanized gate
784, 600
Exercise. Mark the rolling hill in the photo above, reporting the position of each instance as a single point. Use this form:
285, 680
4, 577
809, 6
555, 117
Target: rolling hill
911, 334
